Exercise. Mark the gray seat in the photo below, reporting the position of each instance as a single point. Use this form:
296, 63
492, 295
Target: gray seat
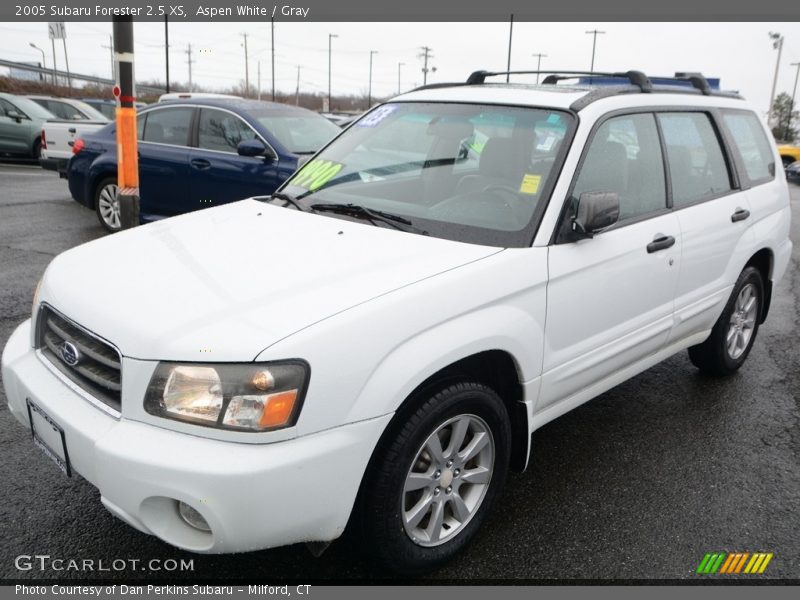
501, 163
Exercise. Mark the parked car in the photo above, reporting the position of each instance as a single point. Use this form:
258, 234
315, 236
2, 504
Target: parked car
69, 109
58, 139
197, 153
789, 154
108, 107
793, 172
374, 345
21, 126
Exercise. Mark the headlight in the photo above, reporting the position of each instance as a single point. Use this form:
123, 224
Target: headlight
251, 397
36, 295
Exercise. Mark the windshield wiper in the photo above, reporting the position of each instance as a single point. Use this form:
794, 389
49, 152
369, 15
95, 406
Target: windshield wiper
370, 214
289, 199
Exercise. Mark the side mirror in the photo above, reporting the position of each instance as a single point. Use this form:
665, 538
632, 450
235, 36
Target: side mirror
254, 147
16, 115
596, 211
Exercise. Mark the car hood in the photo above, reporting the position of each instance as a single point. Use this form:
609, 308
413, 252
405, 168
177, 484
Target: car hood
223, 284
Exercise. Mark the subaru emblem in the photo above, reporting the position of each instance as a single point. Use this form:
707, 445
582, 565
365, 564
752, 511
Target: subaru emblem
70, 354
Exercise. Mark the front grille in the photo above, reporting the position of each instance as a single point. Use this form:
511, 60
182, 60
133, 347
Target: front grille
91, 363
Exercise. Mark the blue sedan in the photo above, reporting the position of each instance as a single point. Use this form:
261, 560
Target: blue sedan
197, 153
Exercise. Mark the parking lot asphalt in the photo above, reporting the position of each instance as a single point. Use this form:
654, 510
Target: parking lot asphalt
639, 483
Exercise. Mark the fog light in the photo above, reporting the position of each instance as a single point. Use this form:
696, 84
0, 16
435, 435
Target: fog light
192, 517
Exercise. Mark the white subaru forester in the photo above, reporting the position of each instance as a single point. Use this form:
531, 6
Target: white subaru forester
375, 343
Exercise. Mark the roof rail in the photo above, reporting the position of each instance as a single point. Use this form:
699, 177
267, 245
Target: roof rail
636, 78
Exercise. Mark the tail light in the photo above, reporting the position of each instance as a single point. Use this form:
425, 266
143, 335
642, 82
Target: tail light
44, 141
78, 145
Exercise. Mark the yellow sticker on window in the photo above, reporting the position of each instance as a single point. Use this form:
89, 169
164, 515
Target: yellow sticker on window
316, 173
530, 184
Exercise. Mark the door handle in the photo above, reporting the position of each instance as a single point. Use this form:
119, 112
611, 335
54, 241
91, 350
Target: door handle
200, 163
740, 215
660, 242
72, 130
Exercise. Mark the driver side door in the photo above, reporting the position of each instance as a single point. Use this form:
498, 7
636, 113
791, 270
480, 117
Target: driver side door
610, 297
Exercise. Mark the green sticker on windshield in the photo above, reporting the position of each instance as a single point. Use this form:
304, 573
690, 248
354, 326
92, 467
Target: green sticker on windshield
316, 173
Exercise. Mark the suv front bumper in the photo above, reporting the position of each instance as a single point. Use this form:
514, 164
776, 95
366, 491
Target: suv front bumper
253, 496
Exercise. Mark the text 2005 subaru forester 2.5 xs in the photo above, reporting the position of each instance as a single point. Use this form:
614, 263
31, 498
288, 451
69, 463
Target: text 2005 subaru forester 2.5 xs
373, 345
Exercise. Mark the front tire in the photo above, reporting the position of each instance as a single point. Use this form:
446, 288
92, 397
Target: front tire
733, 334
106, 204
434, 479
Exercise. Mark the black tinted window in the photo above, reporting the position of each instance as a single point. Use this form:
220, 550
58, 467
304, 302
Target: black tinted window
753, 145
625, 158
696, 162
168, 126
220, 130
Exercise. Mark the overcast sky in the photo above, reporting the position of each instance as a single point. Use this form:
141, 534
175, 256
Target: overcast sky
741, 54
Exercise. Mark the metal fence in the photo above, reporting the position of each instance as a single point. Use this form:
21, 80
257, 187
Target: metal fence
58, 74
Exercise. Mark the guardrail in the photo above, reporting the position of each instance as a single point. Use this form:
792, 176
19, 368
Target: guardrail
64, 75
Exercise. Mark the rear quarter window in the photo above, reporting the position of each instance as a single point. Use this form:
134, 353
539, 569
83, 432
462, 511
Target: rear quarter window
751, 141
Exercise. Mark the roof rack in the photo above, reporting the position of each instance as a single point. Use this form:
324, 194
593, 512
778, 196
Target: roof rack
637, 82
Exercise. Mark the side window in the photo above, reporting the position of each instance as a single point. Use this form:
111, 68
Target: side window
140, 119
625, 157
168, 126
220, 130
65, 111
696, 162
753, 145
5, 107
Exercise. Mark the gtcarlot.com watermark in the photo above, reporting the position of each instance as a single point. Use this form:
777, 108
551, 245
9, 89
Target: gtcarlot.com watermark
45, 562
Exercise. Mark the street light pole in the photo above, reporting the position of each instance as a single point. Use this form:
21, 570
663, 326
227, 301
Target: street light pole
369, 92
330, 37
794, 93
32, 45
777, 44
595, 33
246, 69
400, 64
539, 64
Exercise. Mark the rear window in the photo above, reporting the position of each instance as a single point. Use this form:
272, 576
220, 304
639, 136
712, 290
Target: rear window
754, 147
168, 126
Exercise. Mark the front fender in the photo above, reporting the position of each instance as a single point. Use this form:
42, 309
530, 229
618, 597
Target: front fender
365, 361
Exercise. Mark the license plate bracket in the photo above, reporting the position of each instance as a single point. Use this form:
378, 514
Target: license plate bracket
49, 437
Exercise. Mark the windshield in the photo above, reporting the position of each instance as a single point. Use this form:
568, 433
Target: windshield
299, 131
90, 112
473, 173
30, 108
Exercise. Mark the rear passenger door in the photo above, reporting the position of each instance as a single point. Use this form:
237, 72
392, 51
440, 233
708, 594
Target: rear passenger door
610, 298
218, 173
164, 162
713, 214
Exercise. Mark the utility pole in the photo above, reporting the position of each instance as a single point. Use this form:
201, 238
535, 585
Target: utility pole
297, 89
66, 60
426, 55
400, 64
510, 33
272, 40
594, 33
189, 61
777, 43
125, 90
330, 37
55, 77
111, 51
259, 80
166, 49
539, 57
369, 92
794, 93
246, 69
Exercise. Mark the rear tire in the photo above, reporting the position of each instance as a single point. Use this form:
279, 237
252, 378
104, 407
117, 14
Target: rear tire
434, 478
733, 334
106, 204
